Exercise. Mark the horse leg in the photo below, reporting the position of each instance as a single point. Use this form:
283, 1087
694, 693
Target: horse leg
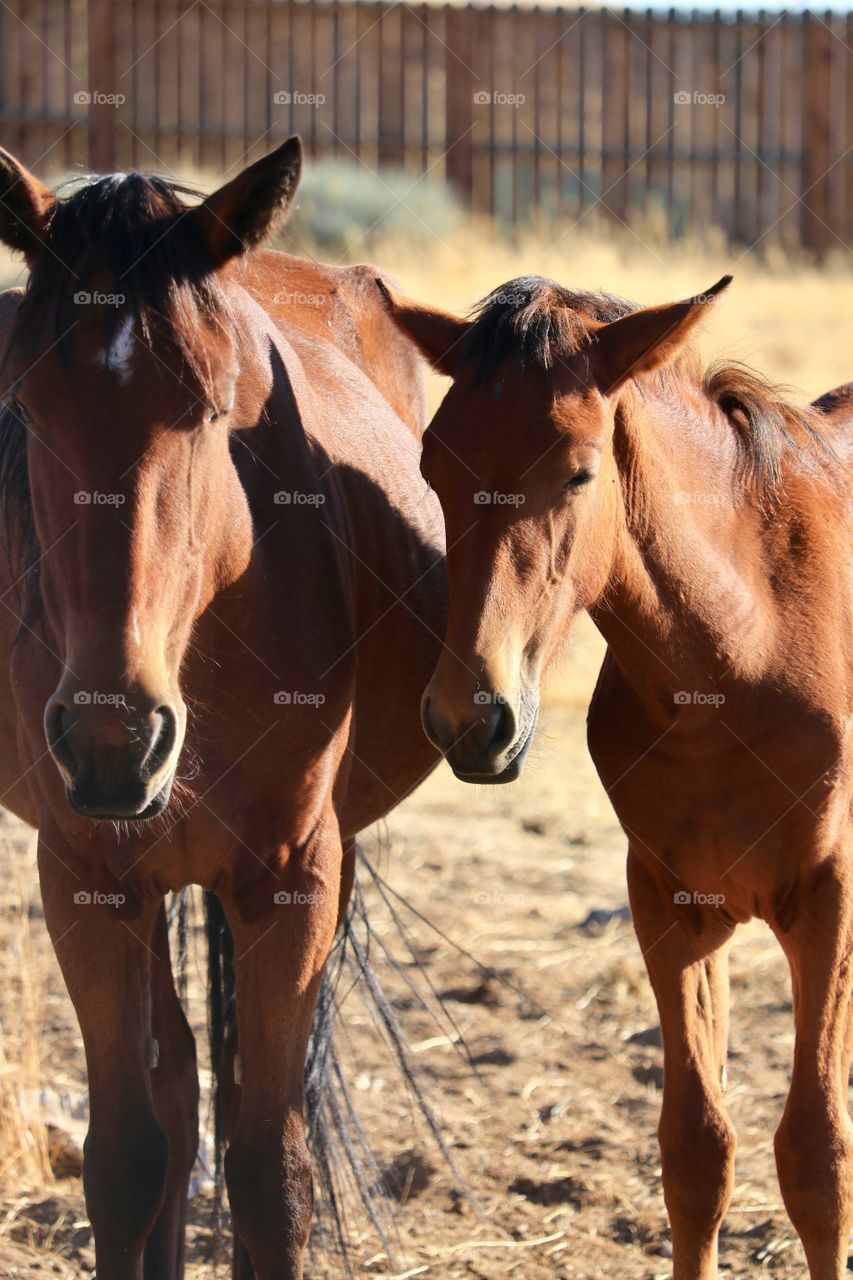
174, 1081
106, 962
278, 960
697, 1141
241, 1268
814, 1141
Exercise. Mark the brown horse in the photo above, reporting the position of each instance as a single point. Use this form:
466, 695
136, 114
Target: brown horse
225, 596
584, 459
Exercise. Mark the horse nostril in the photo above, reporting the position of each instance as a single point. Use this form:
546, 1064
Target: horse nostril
439, 732
503, 721
163, 740
57, 728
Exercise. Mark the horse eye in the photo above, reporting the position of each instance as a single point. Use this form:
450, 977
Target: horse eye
215, 412
578, 480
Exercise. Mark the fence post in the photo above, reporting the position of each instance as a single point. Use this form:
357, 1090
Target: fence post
616, 114
816, 108
103, 116
459, 79
391, 108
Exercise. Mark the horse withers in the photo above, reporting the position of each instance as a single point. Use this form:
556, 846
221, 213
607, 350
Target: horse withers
223, 593
585, 459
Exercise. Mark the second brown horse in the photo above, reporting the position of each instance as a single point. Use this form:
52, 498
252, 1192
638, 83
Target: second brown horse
586, 459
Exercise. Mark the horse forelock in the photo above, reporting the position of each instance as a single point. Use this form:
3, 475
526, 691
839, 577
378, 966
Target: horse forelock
536, 321
130, 235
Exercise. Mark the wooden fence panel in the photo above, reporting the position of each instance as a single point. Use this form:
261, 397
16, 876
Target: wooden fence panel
743, 122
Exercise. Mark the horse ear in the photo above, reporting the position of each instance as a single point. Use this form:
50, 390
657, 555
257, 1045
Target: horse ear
437, 334
647, 339
25, 208
247, 209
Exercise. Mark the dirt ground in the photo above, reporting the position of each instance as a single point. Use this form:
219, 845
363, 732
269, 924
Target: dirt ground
551, 1122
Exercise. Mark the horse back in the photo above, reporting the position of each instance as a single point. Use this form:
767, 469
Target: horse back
342, 306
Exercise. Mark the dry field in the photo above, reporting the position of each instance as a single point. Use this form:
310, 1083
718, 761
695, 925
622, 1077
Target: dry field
551, 1106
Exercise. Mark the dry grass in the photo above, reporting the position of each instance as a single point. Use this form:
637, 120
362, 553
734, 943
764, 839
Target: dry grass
23, 1136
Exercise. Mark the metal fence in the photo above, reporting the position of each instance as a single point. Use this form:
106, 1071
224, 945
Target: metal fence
745, 124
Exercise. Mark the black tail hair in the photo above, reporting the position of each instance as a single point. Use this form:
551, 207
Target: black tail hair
220, 1020
347, 1172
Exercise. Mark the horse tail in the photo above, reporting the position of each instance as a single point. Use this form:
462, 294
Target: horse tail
177, 920
220, 1020
342, 1156
348, 1173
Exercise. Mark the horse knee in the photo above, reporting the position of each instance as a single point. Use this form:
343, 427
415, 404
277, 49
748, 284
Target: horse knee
697, 1158
271, 1196
124, 1175
814, 1161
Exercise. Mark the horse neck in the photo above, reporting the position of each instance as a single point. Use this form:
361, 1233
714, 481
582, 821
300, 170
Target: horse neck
684, 604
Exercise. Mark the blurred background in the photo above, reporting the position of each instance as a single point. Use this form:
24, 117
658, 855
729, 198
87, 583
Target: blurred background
642, 152
693, 120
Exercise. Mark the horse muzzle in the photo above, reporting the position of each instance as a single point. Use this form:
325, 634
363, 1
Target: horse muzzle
490, 744
117, 763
